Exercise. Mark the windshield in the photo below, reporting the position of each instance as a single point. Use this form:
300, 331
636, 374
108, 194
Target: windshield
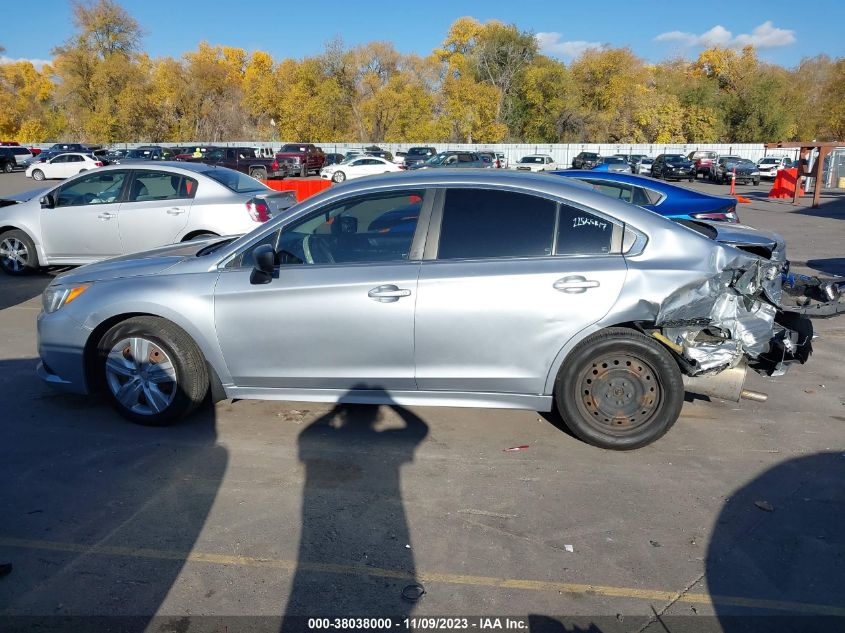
613, 159
419, 151
138, 153
235, 180
437, 159
769, 161
675, 158
589, 155
531, 159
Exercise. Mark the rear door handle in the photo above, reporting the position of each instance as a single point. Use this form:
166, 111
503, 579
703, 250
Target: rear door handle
107, 216
175, 211
388, 293
574, 284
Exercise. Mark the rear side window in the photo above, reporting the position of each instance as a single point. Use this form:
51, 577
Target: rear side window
582, 233
161, 185
480, 223
235, 180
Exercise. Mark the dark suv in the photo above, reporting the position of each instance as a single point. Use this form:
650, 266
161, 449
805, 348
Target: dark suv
673, 167
417, 155
585, 160
7, 160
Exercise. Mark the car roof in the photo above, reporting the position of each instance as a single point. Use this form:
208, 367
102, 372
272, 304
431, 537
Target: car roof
197, 168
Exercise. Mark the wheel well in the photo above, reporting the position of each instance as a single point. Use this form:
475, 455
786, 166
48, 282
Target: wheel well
3, 229
194, 234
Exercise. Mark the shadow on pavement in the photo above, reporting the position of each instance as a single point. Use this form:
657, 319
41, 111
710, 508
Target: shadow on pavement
830, 266
780, 539
82, 491
353, 514
16, 290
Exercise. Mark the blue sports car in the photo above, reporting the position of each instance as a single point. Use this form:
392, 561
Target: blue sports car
668, 200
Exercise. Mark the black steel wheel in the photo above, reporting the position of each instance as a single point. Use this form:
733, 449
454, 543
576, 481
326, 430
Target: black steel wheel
619, 389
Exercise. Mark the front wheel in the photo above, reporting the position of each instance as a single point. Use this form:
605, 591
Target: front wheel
17, 253
153, 372
7, 168
339, 176
38, 175
619, 389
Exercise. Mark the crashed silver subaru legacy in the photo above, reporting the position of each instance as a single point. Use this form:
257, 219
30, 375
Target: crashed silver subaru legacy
453, 288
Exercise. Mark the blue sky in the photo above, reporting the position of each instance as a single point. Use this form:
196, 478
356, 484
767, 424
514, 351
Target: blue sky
654, 30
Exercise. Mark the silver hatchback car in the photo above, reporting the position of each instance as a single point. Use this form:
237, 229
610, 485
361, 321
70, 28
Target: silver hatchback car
443, 287
123, 209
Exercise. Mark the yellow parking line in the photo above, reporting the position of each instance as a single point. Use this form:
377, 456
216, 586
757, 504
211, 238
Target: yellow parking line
429, 577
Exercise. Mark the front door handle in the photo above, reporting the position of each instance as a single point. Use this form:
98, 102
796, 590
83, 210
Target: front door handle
175, 211
574, 284
388, 293
107, 216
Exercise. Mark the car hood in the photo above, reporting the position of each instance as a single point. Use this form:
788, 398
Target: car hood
151, 262
24, 196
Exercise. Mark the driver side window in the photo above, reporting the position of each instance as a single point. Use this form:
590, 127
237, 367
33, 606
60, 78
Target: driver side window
96, 188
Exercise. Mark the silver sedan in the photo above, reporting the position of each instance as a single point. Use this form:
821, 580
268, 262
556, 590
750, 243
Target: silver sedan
123, 209
443, 287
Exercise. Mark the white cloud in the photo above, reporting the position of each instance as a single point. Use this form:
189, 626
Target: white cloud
551, 44
38, 63
764, 36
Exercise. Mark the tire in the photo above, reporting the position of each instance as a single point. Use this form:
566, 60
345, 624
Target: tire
17, 253
622, 372
37, 174
259, 174
303, 171
338, 176
7, 168
756, 182
161, 401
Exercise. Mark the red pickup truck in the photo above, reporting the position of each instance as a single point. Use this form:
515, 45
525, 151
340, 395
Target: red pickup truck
302, 158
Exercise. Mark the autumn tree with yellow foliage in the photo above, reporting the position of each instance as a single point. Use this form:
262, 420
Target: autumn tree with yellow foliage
487, 82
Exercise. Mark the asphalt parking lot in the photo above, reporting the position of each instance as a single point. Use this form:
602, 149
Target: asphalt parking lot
271, 509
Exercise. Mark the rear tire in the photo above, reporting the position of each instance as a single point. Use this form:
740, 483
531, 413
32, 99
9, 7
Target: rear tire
259, 174
755, 182
38, 175
153, 371
7, 168
17, 253
619, 389
338, 176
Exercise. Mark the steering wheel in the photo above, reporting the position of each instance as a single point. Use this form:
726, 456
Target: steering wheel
316, 247
88, 197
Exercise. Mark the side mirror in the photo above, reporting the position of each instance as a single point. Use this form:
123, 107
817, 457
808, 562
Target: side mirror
48, 201
265, 265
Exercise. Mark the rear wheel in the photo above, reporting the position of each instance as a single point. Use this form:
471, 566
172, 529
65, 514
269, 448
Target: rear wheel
17, 253
258, 174
619, 389
7, 167
38, 175
153, 372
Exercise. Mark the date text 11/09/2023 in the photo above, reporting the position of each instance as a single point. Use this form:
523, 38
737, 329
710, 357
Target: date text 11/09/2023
420, 624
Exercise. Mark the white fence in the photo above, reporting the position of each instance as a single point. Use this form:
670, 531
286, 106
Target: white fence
561, 153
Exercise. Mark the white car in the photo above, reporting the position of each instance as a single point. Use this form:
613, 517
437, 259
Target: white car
358, 166
643, 166
770, 164
536, 162
62, 166
399, 157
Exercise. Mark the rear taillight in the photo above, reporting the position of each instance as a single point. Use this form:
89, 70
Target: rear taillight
98, 164
718, 216
274, 165
258, 210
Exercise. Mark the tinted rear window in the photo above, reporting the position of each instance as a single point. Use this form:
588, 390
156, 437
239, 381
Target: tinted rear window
485, 223
235, 180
